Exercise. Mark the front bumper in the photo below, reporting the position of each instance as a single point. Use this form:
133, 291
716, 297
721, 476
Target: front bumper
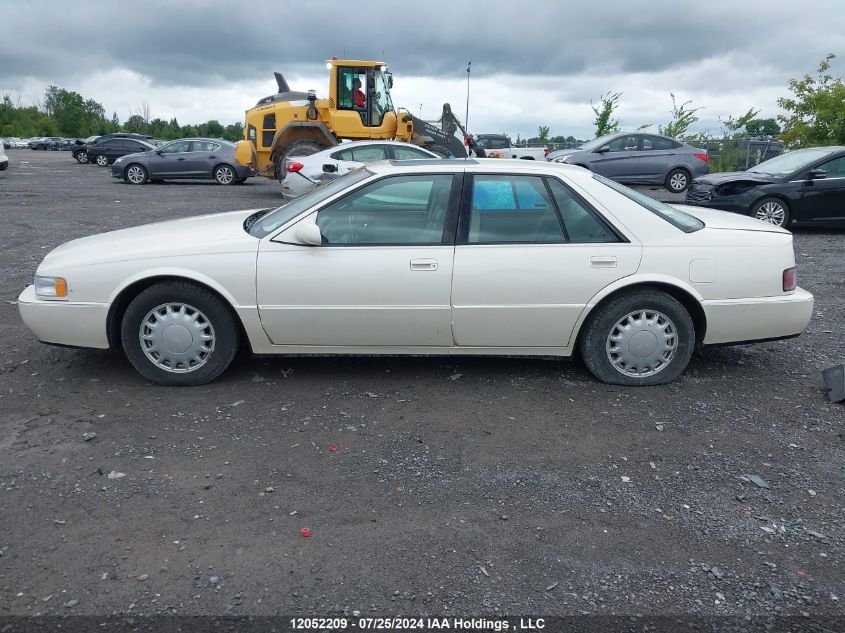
757, 318
117, 170
76, 324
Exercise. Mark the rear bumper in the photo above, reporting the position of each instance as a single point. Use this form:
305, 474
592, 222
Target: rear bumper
758, 318
69, 323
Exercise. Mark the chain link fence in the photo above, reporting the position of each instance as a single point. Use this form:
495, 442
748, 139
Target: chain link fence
739, 154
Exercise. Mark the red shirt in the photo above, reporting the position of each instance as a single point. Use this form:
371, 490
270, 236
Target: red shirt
359, 99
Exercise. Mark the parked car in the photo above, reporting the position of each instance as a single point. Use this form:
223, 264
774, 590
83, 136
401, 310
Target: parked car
303, 173
17, 143
206, 158
639, 158
803, 187
4, 160
501, 146
451, 257
7, 143
81, 151
105, 151
46, 143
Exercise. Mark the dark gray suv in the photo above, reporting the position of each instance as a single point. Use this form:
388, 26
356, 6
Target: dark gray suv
639, 158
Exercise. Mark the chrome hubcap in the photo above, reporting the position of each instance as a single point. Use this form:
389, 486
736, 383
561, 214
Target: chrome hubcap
177, 337
642, 343
678, 181
225, 175
771, 212
82, 157
135, 174
102, 160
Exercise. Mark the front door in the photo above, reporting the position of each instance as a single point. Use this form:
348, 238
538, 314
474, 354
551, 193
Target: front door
170, 161
621, 159
381, 277
530, 254
823, 199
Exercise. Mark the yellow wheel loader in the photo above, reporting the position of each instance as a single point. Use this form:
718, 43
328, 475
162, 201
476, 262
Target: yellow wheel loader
359, 107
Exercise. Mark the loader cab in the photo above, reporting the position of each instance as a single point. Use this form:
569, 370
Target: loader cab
366, 91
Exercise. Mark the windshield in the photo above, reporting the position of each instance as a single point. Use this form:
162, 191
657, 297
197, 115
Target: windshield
785, 164
678, 219
597, 142
289, 211
382, 102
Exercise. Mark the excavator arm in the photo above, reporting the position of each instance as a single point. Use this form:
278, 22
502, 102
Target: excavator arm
441, 139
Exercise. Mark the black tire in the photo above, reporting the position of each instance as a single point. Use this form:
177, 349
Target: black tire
135, 174
439, 150
300, 148
102, 160
225, 174
772, 210
215, 318
81, 157
595, 343
678, 180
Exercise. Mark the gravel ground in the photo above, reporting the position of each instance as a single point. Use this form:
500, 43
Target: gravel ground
430, 486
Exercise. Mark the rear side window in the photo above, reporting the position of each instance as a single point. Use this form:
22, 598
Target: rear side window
658, 143
409, 153
582, 224
366, 154
680, 220
514, 209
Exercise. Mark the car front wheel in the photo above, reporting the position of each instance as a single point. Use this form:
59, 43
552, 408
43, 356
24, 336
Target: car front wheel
641, 338
81, 157
772, 210
224, 174
179, 334
102, 160
677, 180
136, 174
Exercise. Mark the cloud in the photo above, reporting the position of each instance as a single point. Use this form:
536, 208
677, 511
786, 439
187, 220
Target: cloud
199, 60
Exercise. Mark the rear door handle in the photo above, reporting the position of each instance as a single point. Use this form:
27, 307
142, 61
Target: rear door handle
603, 262
423, 264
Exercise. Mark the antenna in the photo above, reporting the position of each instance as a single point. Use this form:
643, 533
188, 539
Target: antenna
466, 116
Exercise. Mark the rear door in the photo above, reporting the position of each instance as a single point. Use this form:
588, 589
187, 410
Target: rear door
202, 158
657, 157
530, 254
621, 159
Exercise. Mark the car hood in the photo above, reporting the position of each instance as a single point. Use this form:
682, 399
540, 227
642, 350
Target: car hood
562, 152
205, 234
736, 176
726, 220
135, 155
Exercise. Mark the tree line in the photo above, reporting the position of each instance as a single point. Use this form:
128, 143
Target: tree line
68, 114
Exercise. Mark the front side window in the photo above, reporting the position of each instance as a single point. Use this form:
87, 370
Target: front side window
624, 144
507, 208
392, 211
178, 147
834, 168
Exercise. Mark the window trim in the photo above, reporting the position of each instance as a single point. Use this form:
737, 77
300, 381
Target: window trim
447, 237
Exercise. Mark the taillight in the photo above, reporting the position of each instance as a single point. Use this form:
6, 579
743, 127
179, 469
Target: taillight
293, 166
790, 279
703, 157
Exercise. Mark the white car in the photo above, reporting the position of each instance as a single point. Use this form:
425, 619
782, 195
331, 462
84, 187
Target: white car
4, 160
304, 173
451, 257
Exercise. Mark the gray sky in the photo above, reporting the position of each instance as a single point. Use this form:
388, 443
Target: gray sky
532, 64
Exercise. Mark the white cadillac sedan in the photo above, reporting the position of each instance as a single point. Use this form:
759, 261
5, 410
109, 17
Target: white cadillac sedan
453, 257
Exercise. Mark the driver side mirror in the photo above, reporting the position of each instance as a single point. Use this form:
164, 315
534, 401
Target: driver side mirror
603, 149
308, 233
816, 174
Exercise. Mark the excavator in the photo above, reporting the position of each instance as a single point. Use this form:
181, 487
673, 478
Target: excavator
359, 107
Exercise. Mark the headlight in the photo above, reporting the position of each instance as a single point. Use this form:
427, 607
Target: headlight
561, 159
119, 160
50, 286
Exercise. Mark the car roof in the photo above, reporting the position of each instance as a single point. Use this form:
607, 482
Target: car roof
477, 165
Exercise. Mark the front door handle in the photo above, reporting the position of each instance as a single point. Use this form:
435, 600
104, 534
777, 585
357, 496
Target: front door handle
180, 159
607, 261
423, 264
212, 156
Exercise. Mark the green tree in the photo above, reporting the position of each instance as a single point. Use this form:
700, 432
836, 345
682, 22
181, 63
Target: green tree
737, 127
762, 127
543, 134
604, 121
816, 111
683, 116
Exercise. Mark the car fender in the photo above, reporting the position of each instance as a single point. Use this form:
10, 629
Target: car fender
168, 271
637, 279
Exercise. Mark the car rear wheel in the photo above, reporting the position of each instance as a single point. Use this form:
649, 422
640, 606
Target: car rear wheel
136, 174
81, 157
678, 180
179, 334
102, 160
771, 210
224, 174
640, 338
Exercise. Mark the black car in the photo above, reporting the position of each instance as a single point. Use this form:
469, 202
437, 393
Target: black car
46, 142
91, 151
804, 187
